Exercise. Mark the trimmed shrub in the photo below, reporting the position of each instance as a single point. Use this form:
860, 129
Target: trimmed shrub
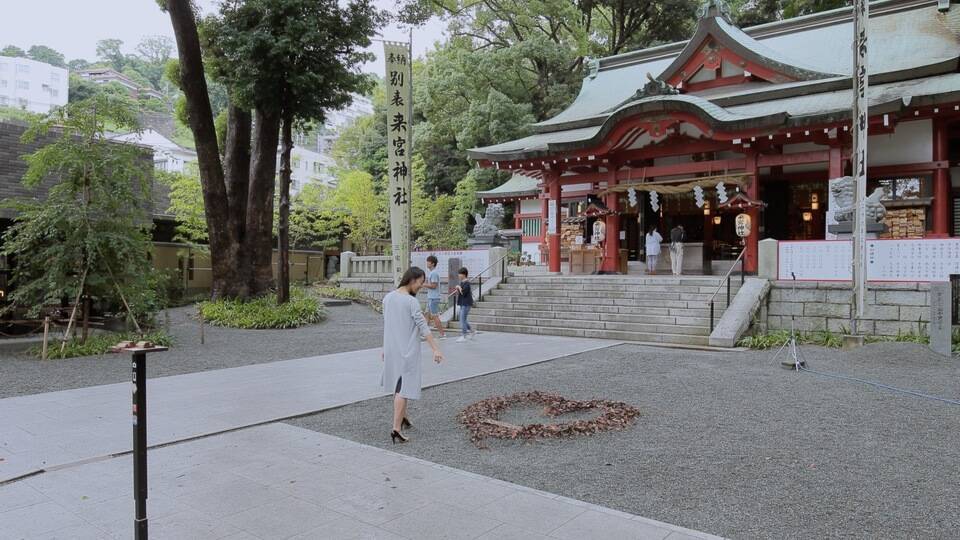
264, 313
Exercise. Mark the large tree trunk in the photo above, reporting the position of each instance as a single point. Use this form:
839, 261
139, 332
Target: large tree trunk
200, 115
263, 171
283, 272
237, 173
237, 196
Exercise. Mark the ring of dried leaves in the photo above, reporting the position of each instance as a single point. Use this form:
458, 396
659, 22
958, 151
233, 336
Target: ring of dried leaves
482, 418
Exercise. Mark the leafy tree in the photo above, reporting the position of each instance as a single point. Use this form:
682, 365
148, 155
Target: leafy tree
257, 47
78, 64
313, 224
82, 89
90, 237
108, 51
14, 51
42, 53
266, 54
363, 210
186, 205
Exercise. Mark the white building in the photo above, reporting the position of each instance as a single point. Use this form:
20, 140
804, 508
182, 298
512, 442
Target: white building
336, 120
308, 166
167, 155
31, 85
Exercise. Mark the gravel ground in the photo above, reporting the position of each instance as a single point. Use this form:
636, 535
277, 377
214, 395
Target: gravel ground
347, 328
728, 443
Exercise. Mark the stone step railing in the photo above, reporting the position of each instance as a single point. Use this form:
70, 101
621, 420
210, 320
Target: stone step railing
352, 266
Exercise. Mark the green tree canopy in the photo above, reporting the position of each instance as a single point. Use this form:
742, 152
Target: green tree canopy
14, 51
42, 53
90, 236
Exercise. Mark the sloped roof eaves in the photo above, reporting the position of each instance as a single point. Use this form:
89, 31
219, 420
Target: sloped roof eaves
793, 111
530, 146
517, 185
744, 46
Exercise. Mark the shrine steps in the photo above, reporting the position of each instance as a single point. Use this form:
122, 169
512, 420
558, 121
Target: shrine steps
650, 309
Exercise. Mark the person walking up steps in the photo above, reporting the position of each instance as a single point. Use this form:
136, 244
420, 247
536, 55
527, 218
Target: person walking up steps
403, 324
465, 301
433, 295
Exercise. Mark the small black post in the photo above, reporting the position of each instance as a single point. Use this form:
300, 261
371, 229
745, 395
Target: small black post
743, 273
503, 269
480, 288
711, 316
728, 290
140, 443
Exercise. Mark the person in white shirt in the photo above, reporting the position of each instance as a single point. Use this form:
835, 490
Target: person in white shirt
653, 240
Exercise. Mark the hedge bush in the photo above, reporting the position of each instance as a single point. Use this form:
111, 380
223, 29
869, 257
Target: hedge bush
264, 312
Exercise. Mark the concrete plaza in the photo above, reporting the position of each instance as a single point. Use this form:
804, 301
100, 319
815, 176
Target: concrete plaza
228, 471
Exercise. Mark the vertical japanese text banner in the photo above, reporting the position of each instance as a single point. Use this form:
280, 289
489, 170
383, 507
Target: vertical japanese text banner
861, 119
399, 136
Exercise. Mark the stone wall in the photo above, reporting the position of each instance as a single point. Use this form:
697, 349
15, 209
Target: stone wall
890, 308
378, 287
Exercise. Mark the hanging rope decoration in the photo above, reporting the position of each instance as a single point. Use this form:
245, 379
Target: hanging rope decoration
672, 187
654, 201
632, 197
698, 196
721, 193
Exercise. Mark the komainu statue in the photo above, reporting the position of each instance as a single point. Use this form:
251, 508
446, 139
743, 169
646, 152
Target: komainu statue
842, 191
489, 224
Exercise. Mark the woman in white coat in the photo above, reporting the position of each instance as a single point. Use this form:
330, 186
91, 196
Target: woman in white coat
403, 325
653, 240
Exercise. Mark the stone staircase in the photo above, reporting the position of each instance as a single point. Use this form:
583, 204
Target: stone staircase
653, 309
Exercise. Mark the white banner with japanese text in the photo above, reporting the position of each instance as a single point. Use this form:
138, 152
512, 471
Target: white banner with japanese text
914, 259
399, 136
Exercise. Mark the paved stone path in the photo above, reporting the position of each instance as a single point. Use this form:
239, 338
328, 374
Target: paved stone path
279, 481
46, 431
272, 480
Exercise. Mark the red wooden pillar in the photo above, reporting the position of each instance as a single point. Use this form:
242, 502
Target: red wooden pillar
752, 191
611, 246
552, 179
941, 181
835, 166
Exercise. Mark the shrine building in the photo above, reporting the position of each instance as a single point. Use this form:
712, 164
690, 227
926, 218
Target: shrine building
766, 111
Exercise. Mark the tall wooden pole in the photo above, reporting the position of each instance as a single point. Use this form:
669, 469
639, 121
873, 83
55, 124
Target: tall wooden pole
861, 22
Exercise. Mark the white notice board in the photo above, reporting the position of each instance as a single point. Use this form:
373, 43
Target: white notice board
552, 216
932, 259
915, 259
818, 260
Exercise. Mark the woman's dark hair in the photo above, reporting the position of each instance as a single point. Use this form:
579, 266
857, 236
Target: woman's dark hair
463, 271
412, 274
432, 259
652, 228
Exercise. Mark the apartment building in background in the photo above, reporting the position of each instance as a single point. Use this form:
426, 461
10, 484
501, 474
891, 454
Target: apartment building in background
33, 86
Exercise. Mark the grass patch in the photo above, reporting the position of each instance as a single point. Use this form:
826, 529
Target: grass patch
349, 294
834, 340
99, 344
264, 312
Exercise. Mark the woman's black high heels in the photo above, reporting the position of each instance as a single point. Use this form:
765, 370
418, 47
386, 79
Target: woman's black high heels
394, 435
405, 424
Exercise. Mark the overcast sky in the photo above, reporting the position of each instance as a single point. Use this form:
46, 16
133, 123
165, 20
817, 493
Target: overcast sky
73, 27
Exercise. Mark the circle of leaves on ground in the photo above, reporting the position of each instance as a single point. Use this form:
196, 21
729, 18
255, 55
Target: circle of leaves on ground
482, 418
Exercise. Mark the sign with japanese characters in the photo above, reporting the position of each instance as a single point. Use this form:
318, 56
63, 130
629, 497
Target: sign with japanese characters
910, 260
861, 121
399, 136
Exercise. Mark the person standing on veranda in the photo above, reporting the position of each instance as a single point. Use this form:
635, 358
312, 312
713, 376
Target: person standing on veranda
403, 325
652, 245
433, 295
677, 236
